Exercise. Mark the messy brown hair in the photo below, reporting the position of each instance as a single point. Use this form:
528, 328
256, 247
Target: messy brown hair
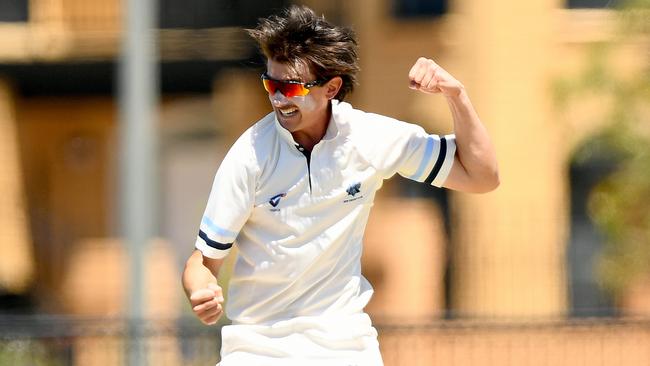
298, 36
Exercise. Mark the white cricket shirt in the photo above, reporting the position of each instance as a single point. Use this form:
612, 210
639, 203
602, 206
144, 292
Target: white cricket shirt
298, 223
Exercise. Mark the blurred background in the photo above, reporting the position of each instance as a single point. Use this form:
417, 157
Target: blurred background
553, 268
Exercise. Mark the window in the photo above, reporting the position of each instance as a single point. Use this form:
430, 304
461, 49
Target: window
590, 4
198, 14
13, 11
419, 8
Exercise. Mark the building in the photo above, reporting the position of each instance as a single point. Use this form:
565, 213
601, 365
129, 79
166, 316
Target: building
506, 255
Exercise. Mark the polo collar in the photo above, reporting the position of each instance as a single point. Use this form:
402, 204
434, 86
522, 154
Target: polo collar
283, 132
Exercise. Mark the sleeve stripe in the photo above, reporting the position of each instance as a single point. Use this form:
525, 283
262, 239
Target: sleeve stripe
439, 161
448, 163
212, 243
218, 230
428, 151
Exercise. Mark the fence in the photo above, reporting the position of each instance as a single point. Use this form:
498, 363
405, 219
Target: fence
590, 342
58, 341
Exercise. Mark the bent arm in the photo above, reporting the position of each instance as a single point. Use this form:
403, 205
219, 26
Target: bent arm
475, 164
199, 272
475, 167
201, 288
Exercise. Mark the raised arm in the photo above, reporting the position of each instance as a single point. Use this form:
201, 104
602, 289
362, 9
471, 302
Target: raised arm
475, 166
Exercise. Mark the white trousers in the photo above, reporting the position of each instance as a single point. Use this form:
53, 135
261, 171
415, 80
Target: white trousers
313, 341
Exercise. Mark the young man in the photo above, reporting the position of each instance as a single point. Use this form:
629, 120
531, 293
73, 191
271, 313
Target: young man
295, 192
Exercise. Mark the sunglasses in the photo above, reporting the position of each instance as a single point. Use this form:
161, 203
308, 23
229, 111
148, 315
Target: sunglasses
289, 88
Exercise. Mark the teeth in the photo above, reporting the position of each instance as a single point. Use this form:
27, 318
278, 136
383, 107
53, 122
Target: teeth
287, 111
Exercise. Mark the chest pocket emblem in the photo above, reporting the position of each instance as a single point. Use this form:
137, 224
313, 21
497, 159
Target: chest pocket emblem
275, 200
354, 189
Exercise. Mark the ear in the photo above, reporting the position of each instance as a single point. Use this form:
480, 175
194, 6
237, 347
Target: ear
333, 86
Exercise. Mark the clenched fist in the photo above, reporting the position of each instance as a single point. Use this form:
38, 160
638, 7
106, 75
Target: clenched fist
207, 303
428, 77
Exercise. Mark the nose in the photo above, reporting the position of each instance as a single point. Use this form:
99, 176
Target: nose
278, 99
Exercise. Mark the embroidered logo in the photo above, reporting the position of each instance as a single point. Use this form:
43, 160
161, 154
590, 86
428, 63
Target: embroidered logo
354, 189
275, 200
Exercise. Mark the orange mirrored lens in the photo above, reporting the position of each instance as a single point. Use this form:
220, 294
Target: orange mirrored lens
286, 88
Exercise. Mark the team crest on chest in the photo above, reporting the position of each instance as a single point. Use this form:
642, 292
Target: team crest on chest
353, 190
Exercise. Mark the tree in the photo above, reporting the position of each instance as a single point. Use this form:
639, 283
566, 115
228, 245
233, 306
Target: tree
620, 204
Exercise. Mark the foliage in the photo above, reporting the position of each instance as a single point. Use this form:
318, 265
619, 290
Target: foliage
25, 352
620, 207
620, 204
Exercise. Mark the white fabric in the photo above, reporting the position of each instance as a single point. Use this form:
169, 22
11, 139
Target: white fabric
299, 228
303, 341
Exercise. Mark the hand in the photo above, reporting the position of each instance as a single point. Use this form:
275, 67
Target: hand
207, 303
428, 77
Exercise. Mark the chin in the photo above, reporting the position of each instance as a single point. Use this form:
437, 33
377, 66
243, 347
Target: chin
290, 124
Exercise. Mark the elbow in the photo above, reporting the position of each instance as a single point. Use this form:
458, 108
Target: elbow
481, 178
488, 182
494, 182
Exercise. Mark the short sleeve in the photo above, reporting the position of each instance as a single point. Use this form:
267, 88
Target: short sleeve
230, 202
406, 149
428, 159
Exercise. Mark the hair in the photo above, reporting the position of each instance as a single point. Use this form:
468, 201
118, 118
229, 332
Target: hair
298, 36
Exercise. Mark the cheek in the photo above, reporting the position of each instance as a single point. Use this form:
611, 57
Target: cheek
306, 103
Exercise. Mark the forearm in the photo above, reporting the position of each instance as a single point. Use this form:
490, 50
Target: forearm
474, 148
199, 272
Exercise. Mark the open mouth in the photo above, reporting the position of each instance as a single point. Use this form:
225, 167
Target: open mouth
288, 111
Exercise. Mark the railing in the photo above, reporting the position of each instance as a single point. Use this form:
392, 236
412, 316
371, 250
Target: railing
47, 340
40, 340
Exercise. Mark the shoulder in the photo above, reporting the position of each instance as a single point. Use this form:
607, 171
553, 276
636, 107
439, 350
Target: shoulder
366, 126
260, 130
250, 146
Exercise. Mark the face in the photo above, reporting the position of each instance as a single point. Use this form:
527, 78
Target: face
301, 114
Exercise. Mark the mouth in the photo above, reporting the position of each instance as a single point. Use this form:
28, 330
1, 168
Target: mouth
288, 111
